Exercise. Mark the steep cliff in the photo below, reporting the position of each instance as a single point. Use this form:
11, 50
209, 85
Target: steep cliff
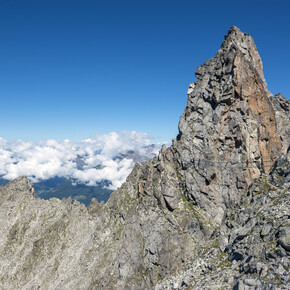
210, 211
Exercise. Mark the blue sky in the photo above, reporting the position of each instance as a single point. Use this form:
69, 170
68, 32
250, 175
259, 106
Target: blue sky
69, 69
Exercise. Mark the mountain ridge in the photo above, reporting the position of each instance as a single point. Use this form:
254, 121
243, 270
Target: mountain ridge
175, 219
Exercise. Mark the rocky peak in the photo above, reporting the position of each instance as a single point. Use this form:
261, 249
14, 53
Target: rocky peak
237, 41
213, 207
229, 124
19, 187
233, 82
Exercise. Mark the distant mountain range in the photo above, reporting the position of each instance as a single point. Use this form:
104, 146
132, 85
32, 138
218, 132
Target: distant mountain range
61, 187
140, 155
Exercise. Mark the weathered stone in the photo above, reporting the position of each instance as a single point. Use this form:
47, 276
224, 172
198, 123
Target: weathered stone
266, 229
207, 213
284, 238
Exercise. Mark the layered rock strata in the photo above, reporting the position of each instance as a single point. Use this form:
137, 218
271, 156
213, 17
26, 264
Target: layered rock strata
175, 219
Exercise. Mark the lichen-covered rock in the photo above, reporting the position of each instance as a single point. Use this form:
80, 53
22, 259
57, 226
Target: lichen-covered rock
209, 212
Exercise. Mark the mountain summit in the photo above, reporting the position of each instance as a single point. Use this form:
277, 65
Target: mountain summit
229, 123
211, 211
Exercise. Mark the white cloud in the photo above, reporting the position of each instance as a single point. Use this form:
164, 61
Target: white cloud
50, 158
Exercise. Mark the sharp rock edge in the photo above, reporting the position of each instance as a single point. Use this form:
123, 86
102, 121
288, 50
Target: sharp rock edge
220, 222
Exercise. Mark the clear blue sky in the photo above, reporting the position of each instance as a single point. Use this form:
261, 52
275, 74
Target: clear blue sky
71, 68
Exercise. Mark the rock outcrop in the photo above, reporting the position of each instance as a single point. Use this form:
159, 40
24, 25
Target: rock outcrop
250, 249
211, 211
229, 119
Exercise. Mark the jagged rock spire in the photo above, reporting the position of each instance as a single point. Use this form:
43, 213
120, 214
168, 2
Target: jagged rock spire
235, 39
232, 81
229, 123
170, 213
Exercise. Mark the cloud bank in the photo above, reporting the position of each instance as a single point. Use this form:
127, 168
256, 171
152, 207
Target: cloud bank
88, 161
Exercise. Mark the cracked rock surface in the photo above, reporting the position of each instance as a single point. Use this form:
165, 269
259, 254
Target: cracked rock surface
220, 221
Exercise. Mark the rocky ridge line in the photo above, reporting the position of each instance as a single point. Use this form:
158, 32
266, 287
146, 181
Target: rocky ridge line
172, 215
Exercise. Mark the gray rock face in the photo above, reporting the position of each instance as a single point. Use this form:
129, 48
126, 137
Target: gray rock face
218, 221
282, 115
229, 119
249, 251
